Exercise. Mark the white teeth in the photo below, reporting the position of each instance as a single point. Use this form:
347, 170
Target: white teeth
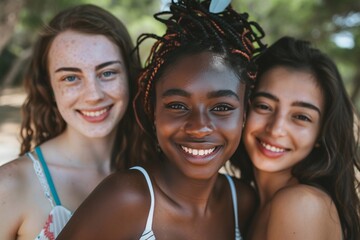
272, 148
94, 113
198, 152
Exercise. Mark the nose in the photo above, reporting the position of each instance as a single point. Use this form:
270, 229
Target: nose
276, 125
199, 124
93, 91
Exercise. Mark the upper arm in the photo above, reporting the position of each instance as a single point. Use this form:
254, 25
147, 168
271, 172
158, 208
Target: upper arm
302, 213
114, 210
12, 198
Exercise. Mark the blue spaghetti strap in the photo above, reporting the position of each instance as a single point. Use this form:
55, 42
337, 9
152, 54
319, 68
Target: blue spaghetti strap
48, 176
235, 206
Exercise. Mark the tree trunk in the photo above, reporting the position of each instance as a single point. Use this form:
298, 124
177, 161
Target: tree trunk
9, 13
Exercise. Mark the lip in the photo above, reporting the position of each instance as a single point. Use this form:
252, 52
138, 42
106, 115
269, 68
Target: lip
95, 115
271, 150
199, 155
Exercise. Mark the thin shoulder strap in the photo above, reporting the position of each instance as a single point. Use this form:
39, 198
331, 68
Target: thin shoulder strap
148, 233
48, 176
40, 175
234, 199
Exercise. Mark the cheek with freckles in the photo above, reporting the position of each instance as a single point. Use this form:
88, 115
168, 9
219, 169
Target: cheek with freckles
66, 97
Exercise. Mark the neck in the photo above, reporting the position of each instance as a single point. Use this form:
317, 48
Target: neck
190, 194
269, 183
77, 150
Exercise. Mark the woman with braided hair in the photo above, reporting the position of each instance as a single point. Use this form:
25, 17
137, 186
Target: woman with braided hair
192, 98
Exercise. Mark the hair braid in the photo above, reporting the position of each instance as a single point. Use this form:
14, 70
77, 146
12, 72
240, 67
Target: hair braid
190, 29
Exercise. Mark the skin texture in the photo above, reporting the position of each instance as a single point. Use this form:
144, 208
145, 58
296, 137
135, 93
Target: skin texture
282, 128
79, 158
97, 84
199, 108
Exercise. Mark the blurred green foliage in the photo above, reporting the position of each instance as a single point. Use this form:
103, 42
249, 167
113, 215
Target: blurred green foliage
323, 22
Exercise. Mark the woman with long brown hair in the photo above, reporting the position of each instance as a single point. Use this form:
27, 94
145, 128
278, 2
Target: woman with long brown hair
76, 127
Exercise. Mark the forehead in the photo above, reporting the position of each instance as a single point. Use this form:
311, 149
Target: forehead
71, 48
201, 70
292, 85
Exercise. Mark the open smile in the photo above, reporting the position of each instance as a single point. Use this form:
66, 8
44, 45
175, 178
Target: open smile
198, 152
95, 115
272, 148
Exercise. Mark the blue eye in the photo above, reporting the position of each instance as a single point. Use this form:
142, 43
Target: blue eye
70, 78
108, 74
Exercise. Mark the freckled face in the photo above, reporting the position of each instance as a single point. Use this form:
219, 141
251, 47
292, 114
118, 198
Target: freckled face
89, 80
284, 121
199, 114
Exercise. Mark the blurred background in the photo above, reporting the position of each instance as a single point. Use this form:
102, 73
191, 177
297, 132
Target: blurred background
331, 25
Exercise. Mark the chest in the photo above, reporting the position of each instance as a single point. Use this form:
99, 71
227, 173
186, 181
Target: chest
217, 222
197, 229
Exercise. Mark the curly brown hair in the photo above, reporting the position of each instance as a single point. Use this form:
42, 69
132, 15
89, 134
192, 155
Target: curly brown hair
41, 118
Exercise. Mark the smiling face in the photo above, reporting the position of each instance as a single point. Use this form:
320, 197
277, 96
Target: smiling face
284, 121
89, 80
199, 114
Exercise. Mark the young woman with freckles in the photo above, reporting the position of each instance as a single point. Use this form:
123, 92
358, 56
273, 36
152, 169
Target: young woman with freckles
191, 101
300, 147
76, 126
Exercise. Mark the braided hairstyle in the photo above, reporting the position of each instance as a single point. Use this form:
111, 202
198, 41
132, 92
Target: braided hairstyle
191, 29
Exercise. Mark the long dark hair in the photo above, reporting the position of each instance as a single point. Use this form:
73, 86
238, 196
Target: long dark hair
41, 118
330, 167
191, 29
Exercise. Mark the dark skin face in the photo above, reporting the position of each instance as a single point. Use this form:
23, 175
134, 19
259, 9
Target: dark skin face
199, 115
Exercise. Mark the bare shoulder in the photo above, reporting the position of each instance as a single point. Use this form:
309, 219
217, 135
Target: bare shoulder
16, 178
124, 198
127, 187
122, 191
302, 196
303, 212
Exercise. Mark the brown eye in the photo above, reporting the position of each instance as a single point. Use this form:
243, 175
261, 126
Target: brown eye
176, 106
302, 118
223, 108
261, 107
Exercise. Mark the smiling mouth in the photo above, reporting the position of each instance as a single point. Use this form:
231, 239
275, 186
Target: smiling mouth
272, 148
95, 113
198, 152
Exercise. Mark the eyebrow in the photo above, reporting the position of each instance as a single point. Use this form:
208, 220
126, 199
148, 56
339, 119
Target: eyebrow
174, 92
297, 103
214, 94
223, 93
100, 66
